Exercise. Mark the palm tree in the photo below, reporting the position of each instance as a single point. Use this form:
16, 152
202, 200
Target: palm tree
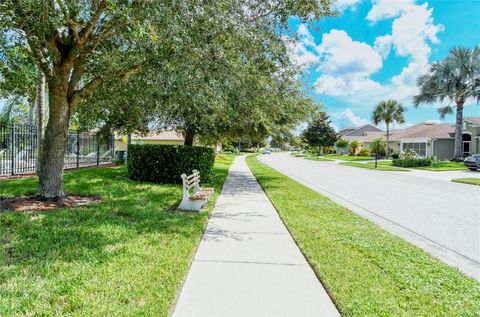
456, 78
388, 111
354, 145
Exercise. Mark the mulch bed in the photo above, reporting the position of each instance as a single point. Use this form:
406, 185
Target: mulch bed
26, 204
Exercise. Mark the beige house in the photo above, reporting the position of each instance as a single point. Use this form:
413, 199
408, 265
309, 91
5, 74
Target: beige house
154, 137
427, 138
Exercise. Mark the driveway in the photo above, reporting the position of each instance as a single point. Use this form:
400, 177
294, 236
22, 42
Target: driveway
439, 216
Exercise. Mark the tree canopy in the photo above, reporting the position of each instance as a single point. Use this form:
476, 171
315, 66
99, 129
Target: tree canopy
209, 67
221, 82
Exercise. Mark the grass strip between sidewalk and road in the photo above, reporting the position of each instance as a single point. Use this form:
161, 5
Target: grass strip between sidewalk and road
346, 157
380, 167
443, 166
470, 181
366, 270
124, 256
437, 166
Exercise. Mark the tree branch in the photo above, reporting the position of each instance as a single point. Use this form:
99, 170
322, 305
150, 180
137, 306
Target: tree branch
87, 30
33, 43
90, 87
66, 14
39, 56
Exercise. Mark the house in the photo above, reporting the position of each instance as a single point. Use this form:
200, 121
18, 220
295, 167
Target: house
427, 138
471, 135
351, 134
358, 131
154, 137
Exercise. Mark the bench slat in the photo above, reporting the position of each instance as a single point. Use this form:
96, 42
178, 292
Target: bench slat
192, 176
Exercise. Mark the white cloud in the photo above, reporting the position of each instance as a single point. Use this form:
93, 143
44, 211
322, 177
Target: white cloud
342, 55
386, 9
302, 51
413, 31
412, 34
342, 5
305, 35
300, 55
343, 85
410, 73
348, 119
345, 64
383, 45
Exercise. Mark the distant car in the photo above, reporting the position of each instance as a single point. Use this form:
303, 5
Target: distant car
472, 162
267, 151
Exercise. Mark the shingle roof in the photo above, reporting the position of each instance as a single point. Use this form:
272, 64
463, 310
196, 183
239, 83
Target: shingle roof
346, 131
421, 130
170, 135
475, 120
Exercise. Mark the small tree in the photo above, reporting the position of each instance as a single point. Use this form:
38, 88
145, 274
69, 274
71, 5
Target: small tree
389, 111
354, 146
342, 144
319, 133
378, 147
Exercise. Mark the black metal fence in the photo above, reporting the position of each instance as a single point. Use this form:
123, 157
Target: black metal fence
19, 149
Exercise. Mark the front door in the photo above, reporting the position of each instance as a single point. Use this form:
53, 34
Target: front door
466, 141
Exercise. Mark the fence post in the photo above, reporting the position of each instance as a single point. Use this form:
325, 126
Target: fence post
98, 148
13, 149
78, 148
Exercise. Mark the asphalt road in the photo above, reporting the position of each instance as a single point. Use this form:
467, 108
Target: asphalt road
440, 216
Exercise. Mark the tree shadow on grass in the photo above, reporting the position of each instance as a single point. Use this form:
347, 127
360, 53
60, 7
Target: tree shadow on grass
129, 210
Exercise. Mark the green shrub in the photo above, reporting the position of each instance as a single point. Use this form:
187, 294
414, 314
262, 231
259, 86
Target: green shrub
412, 162
165, 163
378, 147
364, 152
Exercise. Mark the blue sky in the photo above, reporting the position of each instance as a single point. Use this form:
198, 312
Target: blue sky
375, 50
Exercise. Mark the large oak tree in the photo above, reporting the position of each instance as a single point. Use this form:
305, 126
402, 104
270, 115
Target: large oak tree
178, 46
79, 45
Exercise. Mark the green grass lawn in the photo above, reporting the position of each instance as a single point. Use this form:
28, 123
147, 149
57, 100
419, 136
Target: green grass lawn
371, 165
471, 181
440, 166
346, 157
314, 157
366, 270
437, 166
125, 256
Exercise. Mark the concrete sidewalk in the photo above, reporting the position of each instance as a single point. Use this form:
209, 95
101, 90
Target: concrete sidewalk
247, 264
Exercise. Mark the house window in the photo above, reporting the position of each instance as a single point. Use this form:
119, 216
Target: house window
419, 147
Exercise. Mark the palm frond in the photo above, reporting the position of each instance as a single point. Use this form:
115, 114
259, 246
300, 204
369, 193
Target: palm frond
443, 111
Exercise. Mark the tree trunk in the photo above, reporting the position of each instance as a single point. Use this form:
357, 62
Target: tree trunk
458, 151
388, 140
40, 115
189, 137
51, 158
31, 111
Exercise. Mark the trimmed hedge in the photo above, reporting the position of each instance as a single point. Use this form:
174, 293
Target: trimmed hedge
413, 162
165, 163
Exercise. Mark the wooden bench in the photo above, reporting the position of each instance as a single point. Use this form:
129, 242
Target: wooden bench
199, 196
